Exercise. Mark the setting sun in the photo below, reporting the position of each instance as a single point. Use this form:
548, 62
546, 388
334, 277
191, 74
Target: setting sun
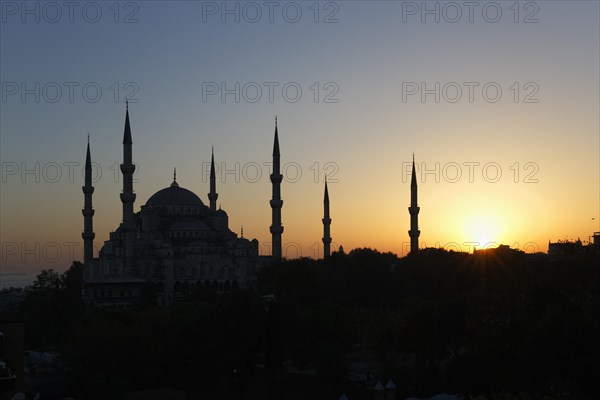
483, 229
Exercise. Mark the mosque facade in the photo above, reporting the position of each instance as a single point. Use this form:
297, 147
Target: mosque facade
174, 243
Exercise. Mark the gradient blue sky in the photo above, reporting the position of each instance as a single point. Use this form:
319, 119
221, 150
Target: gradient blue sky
367, 135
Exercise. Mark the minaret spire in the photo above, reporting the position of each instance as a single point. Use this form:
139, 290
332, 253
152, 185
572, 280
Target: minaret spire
276, 142
127, 131
413, 210
276, 202
326, 223
88, 234
212, 195
128, 226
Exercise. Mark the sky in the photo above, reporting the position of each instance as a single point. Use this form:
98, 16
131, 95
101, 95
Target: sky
498, 102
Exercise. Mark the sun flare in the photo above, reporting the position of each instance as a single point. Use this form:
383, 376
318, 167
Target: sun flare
482, 230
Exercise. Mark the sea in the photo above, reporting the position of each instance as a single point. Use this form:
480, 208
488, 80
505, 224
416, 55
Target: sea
16, 280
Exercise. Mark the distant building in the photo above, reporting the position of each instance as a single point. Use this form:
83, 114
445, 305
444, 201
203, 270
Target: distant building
595, 243
175, 242
565, 248
503, 250
571, 248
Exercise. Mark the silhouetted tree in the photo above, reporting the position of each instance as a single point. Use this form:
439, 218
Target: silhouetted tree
52, 305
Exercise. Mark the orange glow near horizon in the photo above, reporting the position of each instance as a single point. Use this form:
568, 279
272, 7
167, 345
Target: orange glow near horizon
453, 215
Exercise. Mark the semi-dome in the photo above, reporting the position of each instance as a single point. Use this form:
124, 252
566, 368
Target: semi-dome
174, 195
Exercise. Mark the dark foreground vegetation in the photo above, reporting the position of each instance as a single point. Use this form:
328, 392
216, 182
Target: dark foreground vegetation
499, 325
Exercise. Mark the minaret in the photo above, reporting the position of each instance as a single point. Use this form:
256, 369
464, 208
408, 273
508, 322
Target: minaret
414, 213
127, 168
276, 202
88, 212
127, 195
212, 196
326, 223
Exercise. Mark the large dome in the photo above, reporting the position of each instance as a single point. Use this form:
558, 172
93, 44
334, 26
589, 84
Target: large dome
174, 195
